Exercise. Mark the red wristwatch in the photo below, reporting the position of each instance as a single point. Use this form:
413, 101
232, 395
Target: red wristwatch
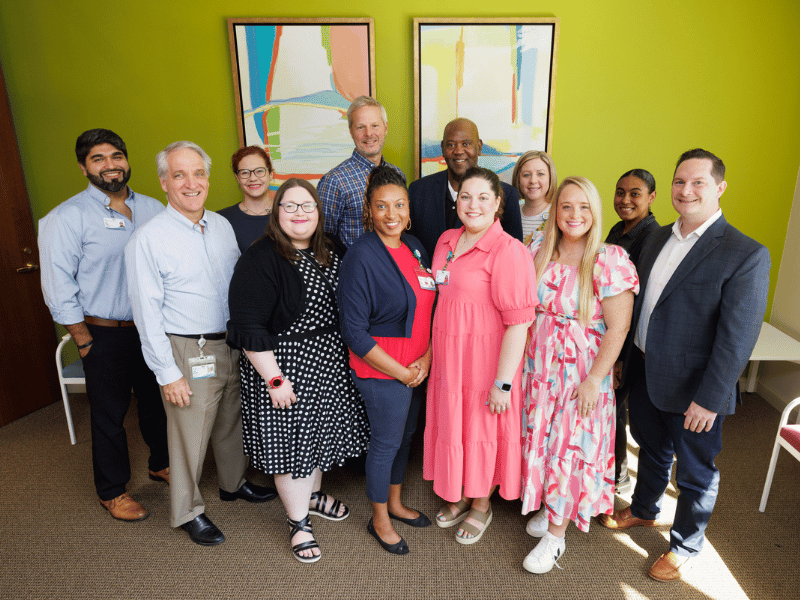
275, 382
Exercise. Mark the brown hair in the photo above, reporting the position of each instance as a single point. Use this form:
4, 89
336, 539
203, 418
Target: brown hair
379, 176
320, 245
551, 168
247, 151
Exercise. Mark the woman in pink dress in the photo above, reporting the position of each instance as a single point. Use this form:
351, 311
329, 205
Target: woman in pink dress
486, 303
586, 299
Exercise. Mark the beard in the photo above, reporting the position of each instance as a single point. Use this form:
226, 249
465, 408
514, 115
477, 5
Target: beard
115, 185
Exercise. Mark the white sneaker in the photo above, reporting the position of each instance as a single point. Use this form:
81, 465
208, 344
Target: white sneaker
546, 554
537, 525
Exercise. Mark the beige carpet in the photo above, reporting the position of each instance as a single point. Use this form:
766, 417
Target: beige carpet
58, 542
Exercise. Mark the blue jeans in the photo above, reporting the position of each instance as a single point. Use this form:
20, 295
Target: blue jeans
392, 410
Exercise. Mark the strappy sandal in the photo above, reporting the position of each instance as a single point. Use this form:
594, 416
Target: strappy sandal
450, 518
482, 517
332, 514
296, 527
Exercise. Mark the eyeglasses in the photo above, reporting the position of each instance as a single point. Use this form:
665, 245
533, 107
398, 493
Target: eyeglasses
245, 173
291, 207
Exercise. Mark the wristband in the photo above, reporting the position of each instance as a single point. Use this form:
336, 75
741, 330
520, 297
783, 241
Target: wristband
86, 345
275, 382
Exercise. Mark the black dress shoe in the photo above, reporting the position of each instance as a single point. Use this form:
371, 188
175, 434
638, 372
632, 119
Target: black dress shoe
420, 521
250, 492
203, 531
399, 548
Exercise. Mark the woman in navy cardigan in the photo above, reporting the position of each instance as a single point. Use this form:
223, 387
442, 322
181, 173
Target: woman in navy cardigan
386, 296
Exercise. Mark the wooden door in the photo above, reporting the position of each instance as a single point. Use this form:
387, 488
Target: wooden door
28, 379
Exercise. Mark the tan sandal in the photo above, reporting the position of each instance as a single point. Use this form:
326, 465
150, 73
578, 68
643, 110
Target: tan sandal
451, 518
482, 517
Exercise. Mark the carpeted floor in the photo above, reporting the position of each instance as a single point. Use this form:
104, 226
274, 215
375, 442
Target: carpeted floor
58, 542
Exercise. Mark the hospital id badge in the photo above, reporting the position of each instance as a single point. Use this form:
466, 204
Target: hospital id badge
112, 223
442, 277
426, 282
203, 367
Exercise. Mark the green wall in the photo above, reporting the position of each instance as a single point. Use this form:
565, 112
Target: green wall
637, 84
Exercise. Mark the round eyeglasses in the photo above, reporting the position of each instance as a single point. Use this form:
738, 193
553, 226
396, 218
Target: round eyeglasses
291, 207
245, 173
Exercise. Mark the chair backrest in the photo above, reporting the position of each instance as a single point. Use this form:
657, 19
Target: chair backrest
71, 374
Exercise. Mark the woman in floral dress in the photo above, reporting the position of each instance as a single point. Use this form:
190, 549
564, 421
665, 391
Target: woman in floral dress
586, 298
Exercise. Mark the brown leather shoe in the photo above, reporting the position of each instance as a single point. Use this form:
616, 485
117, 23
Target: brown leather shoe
162, 475
623, 519
667, 567
125, 508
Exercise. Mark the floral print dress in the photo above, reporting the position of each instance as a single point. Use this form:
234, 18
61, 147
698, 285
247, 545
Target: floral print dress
568, 461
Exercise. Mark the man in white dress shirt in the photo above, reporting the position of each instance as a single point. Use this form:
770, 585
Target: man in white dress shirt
179, 267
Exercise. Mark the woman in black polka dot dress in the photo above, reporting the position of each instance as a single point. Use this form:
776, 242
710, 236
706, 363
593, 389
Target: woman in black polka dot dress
301, 410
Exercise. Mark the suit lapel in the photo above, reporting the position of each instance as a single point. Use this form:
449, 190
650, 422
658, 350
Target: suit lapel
646, 263
699, 251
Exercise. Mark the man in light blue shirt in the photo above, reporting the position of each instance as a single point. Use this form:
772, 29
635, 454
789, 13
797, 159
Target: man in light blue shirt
81, 244
342, 188
179, 268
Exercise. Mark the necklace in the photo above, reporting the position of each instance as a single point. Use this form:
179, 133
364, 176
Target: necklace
255, 214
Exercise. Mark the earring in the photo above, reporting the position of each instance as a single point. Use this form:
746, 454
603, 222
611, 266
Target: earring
408, 225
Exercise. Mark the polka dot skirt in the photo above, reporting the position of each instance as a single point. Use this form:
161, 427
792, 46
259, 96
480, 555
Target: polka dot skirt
328, 423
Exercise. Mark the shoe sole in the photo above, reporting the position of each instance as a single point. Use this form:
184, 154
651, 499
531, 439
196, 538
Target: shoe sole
329, 517
472, 540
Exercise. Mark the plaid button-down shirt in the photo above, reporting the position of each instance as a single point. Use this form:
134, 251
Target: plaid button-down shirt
342, 193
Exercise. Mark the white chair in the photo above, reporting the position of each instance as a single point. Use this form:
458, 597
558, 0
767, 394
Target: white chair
72, 374
788, 437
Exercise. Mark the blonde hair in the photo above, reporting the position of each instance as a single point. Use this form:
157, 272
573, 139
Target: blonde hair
551, 168
552, 236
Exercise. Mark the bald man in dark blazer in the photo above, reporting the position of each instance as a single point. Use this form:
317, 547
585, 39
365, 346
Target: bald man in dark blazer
433, 208
695, 322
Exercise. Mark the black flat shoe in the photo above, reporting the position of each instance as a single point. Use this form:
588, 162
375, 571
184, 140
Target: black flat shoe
250, 492
420, 521
203, 531
399, 548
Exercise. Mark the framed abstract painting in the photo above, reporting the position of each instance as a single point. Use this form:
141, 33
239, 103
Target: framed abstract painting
498, 72
294, 80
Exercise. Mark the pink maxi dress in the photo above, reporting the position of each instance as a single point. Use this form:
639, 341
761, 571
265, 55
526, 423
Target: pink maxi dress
491, 286
568, 461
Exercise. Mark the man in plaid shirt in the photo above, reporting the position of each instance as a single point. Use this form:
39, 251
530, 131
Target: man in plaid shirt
342, 188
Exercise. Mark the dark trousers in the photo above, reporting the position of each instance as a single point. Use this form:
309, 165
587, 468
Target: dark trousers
114, 366
392, 410
661, 436
621, 435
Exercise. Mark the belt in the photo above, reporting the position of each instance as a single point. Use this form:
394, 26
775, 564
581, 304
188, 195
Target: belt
107, 322
197, 336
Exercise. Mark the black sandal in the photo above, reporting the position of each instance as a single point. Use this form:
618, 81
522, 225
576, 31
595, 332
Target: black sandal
303, 525
332, 514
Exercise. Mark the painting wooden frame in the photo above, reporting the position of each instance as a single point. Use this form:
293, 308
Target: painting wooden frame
498, 72
294, 80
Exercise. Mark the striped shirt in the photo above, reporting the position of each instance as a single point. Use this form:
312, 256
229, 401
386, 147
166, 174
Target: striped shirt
178, 277
342, 193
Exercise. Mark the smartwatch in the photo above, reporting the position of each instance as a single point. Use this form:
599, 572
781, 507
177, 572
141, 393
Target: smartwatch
275, 382
504, 386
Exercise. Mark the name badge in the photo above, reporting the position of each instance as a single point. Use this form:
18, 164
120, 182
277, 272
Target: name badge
442, 277
112, 223
203, 367
425, 279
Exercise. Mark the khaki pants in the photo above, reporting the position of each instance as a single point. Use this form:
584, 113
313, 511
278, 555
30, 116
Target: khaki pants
214, 414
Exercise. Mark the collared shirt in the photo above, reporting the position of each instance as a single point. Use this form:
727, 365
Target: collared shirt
178, 277
672, 254
342, 193
634, 239
81, 253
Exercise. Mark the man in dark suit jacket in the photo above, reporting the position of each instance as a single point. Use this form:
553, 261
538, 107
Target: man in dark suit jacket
433, 204
703, 296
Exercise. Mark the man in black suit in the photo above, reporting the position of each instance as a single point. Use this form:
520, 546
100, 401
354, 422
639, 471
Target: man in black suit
433, 197
703, 296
